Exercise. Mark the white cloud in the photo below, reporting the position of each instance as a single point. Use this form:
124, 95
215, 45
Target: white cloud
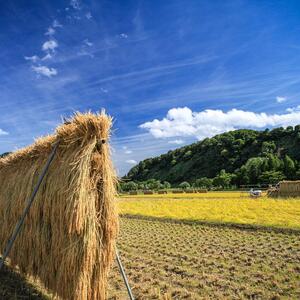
47, 56
104, 90
84, 52
88, 15
131, 161
88, 43
50, 45
293, 109
43, 70
280, 99
56, 24
182, 122
128, 151
33, 58
176, 142
75, 4
124, 35
50, 31
2, 132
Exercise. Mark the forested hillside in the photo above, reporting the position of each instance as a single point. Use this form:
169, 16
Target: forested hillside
237, 157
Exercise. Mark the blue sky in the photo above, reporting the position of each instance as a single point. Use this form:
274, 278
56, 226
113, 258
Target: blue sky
169, 72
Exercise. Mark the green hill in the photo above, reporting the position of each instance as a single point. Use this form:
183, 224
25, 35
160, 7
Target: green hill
246, 156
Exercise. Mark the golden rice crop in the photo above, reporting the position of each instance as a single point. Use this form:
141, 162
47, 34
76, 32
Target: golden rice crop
68, 238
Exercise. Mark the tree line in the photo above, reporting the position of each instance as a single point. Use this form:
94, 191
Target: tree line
240, 157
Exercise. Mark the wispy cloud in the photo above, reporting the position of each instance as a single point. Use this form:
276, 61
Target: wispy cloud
131, 161
75, 4
50, 31
84, 52
281, 99
181, 122
88, 15
33, 58
88, 43
144, 146
159, 69
50, 45
123, 36
103, 90
56, 24
2, 132
293, 109
47, 56
45, 71
176, 142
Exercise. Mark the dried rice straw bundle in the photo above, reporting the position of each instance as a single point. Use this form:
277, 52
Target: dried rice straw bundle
68, 239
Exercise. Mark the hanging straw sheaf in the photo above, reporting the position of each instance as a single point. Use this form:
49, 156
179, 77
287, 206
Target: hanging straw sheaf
68, 238
289, 188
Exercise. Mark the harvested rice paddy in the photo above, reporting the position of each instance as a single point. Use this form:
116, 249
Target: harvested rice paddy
194, 260
166, 260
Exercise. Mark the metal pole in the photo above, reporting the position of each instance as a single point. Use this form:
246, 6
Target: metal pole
29, 203
124, 275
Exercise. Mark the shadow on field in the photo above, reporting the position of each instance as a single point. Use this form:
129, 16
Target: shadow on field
13, 286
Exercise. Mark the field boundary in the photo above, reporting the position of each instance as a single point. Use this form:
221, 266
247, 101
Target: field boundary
247, 227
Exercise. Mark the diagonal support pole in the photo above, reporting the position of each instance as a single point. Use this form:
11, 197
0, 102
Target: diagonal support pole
27, 208
122, 271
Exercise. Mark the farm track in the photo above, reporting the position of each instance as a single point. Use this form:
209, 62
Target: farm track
168, 260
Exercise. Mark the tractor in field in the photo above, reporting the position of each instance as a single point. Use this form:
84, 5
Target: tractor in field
255, 193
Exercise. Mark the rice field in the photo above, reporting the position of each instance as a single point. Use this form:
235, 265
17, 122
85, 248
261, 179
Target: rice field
167, 260
216, 207
170, 250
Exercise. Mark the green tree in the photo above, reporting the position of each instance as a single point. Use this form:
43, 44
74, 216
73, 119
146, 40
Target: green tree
141, 185
224, 152
223, 179
271, 177
173, 162
242, 176
187, 155
204, 182
184, 185
254, 168
268, 148
289, 167
154, 184
129, 186
166, 185
274, 162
